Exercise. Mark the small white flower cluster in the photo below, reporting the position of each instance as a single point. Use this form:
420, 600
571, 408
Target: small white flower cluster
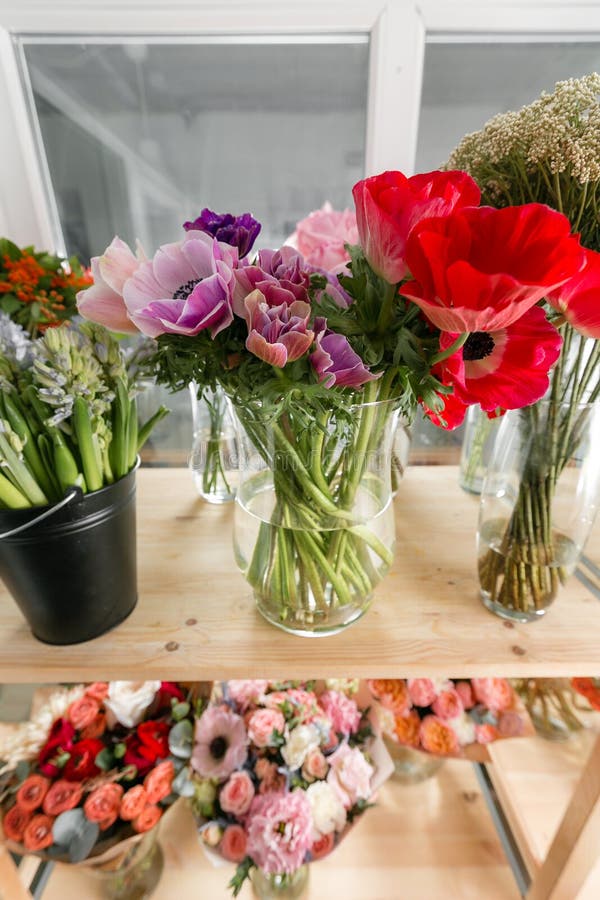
559, 130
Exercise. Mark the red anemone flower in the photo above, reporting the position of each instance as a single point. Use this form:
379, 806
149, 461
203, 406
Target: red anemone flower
579, 299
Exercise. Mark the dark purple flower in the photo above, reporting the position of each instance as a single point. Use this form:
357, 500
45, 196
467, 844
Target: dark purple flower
277, 334
239, 231
334, 360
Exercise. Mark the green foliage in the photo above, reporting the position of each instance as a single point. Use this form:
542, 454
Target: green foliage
241, 873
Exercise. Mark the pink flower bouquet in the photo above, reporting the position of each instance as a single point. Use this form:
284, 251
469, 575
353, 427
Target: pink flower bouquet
281, 770
448, 718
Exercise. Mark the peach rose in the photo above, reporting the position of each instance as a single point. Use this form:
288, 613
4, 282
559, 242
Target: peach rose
103, 803
391, 693
315, 765
32, 792
147, 819
133, 802
96, 728
437, 737
98, 690
237, 793
159, 780
495, 693
270, 778
323, 845
406, 729
262, 724
38, 833
422, 691
15, 822
448, 704
82, 712
485, 734
233, 843
63, 795
465, 692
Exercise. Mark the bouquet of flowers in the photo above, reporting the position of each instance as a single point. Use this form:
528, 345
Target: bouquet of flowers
95, 768
38, 290
67, 413
548, 152
448, 718
281, 770
438, 308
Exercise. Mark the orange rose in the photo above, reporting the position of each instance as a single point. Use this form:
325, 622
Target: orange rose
158, 782
97, 691
32, 792
147, 819
133, 803
437, 737
15, 822
82, 712
38, 833
407, 728
95, 729
322, 846
392, 693
63, 795
104, 803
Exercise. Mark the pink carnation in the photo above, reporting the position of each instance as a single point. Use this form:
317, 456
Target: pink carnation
448, 705
237, 794
350, 775
342, 712
246, 693
495, 693
262, 724
279, 831
321, 236
422, 691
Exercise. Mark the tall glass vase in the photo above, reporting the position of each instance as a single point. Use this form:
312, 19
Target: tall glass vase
538, 505
279, 887
132, 875
213, 459
314, 523
477, 448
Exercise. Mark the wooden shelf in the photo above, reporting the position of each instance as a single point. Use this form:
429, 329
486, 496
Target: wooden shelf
195, 619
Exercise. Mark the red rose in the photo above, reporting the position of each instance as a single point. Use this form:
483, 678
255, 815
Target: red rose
133, 755
32, 792
169, 690
388, 206
60, 740
63, 795
154, 740
82, 762
38, 833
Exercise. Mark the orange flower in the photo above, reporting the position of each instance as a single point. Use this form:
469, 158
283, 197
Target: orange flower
437, 737
133, 803
15, 822
96, 729
38, 833
82, 712
63, 795
104, 803
98, 690
158, 781
32, 792
392, 693
407, 728
147, 819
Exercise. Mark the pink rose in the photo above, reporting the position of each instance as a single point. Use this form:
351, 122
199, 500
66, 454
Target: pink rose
321, 236
279, 831
83, 712
465, 692
422, 691
262, 724
315, 766
350, 775
237, 793
246, 693
323, 845
485, 734
234, 843
495, 693
342, 712
448, 704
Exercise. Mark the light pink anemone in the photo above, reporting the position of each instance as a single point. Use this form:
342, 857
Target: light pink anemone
103, 301
220, 743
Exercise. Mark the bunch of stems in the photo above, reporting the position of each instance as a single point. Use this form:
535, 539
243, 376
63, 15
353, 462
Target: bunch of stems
525, 571
552, 704
214, 477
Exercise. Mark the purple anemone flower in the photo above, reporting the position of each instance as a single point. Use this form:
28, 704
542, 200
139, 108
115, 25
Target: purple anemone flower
239, 231
277, 334
334, 360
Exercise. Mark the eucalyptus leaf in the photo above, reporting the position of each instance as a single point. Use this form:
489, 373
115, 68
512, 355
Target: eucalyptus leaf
104, 760
23, 769
180, 711
182, 784
181, 739
74, 833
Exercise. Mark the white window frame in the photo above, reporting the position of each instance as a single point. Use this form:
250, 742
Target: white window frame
398, 31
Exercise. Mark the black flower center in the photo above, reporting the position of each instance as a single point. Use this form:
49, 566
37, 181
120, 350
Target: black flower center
218, 747
184, 290
478, 345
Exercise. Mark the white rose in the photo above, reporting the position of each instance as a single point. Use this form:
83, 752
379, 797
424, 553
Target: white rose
127, 701
301, 741
464, 728
386, 720
328, 813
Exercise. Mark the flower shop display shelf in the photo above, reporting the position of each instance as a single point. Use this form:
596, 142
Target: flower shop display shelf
196, 618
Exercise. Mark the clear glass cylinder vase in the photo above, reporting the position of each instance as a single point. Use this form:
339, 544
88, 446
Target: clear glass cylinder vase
538, 505
314, 524
132, 875
477, 448
213, 458
279, 887
400, 452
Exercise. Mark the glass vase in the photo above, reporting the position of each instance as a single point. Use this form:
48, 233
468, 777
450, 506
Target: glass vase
279, 887
132, 875
213, 459
553, 706
477, 446
538, 505
411, 766
314, 524
400, 451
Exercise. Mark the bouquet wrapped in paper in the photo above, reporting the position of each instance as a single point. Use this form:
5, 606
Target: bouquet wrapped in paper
281, 770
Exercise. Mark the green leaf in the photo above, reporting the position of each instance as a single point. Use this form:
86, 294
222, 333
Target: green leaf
181, 711
9, 304
119, 751
104, 760
181, 739
241, 873
7, 248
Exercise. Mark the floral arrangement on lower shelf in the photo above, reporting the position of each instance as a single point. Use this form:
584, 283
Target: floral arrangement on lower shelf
448, 718
95, 768
281, 770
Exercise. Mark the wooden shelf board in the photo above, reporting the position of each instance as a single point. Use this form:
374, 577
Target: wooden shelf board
196, 620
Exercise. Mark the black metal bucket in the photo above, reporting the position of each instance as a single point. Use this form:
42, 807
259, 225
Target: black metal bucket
72, 568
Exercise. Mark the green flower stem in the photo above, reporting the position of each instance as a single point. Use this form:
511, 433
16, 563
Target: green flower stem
65, 465
30, 450
10, 496
82, 427
449, 351
132, 434
145, 430
25, 482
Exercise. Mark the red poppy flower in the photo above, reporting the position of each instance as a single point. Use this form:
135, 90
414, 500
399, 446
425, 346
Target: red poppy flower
81, 764
169, 690
506, 368
154, 740
60, 740
389, 205
480, 269
134, 757
578, 301
451, 416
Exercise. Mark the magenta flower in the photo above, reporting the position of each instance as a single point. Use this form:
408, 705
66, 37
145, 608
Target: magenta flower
277, 334
238, 231
220, 743
334, 360
281, 275
103, 301
279, 831
187, 287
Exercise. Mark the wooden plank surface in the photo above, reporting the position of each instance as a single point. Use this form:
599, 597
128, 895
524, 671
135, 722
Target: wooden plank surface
196, 618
